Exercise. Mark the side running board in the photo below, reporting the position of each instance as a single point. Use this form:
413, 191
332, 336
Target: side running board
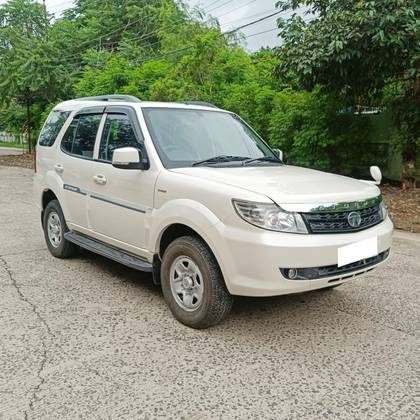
109, 252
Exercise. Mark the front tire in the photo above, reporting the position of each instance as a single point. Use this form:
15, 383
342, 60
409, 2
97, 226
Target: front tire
193, 285
54, 228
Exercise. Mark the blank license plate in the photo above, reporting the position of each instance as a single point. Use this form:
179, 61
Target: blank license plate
357, 251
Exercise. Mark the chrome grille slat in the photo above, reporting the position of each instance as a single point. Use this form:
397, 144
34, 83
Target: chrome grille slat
337, 222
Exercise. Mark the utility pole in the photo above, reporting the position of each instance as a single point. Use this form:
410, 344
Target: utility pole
45, 11
45, 17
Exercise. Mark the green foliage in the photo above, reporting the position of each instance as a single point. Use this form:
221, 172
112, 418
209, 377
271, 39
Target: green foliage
159, 51
356, 49
351, 46
312, 131
299, 127
30, 70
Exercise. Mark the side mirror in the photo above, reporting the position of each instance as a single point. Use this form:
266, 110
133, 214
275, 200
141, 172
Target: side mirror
376, 174
128, 158
278, 153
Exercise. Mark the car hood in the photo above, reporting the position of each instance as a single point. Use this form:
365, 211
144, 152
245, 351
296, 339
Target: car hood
288, 184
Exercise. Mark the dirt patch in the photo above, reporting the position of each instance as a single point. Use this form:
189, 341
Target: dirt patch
403, 206
22, 161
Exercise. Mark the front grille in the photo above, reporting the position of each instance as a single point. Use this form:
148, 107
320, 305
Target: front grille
314, 273
337, 222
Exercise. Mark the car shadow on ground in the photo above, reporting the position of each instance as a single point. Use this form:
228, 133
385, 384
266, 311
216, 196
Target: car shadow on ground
125, 274
243, 308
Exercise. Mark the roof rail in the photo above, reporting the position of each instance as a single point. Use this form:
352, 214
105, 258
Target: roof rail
110, 98
197, 103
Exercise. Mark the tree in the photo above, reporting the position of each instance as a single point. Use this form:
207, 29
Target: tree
130, 27
355, 48
30, 68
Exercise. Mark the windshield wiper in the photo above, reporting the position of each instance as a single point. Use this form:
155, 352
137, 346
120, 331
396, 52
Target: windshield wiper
262, 159
219, 159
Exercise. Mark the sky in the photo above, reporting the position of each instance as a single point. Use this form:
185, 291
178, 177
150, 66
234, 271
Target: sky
231, 14
234, 13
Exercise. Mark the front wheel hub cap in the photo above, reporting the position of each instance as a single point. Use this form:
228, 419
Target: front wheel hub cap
186, 283
54, 229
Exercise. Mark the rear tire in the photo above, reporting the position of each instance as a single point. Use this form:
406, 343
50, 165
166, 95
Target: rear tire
54, 229
193, 285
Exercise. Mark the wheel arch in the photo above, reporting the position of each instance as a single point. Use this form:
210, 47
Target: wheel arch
175, 231
48, 195
49, 187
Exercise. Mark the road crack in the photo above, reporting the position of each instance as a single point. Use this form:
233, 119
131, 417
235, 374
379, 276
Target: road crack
44, 354
30, 251
400, 330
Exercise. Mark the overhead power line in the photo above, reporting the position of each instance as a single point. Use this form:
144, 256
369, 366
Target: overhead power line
246, 25
262, 32
169, 53
248, 17
124, 27
218, 7
234, 10
64, 3
154, 32
221, 35
142, 37
211, 4
146, 36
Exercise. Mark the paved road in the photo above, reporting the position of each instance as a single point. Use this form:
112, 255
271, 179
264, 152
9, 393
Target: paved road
88, 338
5, 151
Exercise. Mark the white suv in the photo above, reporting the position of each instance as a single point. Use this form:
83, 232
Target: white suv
190, 193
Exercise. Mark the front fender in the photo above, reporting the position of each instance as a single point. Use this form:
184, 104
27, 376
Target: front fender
183, 211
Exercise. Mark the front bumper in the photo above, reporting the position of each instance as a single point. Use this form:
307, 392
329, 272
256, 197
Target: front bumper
251, 258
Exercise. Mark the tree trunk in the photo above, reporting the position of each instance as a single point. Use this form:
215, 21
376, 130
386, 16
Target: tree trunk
29, 126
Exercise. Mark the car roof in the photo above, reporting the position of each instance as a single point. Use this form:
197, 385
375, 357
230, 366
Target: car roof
76, 104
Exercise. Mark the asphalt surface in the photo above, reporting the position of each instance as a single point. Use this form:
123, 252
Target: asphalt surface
88, 338
6, 151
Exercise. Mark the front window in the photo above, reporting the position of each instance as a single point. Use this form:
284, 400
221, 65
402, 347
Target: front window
184, 137
118, 132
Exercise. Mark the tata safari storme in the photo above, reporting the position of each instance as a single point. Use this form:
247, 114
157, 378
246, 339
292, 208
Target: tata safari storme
192, 194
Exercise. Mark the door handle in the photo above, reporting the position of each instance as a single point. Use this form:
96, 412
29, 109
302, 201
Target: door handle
100, 179
59, 168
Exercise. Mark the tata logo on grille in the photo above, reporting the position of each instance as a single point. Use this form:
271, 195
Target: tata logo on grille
354, 219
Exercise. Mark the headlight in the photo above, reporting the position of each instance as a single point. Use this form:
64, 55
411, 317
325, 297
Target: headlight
270, 217
383, 210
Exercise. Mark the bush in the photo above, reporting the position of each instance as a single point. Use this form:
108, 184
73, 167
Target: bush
312, 132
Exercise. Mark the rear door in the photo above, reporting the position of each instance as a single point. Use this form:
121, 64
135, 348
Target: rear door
121, 199
74, 164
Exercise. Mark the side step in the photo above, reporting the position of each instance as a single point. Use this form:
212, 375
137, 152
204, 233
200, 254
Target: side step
109, 252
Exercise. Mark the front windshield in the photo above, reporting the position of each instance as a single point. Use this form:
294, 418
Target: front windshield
183, 137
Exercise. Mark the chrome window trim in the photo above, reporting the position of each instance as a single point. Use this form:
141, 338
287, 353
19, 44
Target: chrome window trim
332, 207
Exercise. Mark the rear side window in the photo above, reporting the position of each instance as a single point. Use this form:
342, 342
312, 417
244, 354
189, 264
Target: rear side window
52, 127
79, 139
118, 132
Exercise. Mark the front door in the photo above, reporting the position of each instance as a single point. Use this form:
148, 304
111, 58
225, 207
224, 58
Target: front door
121, 199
